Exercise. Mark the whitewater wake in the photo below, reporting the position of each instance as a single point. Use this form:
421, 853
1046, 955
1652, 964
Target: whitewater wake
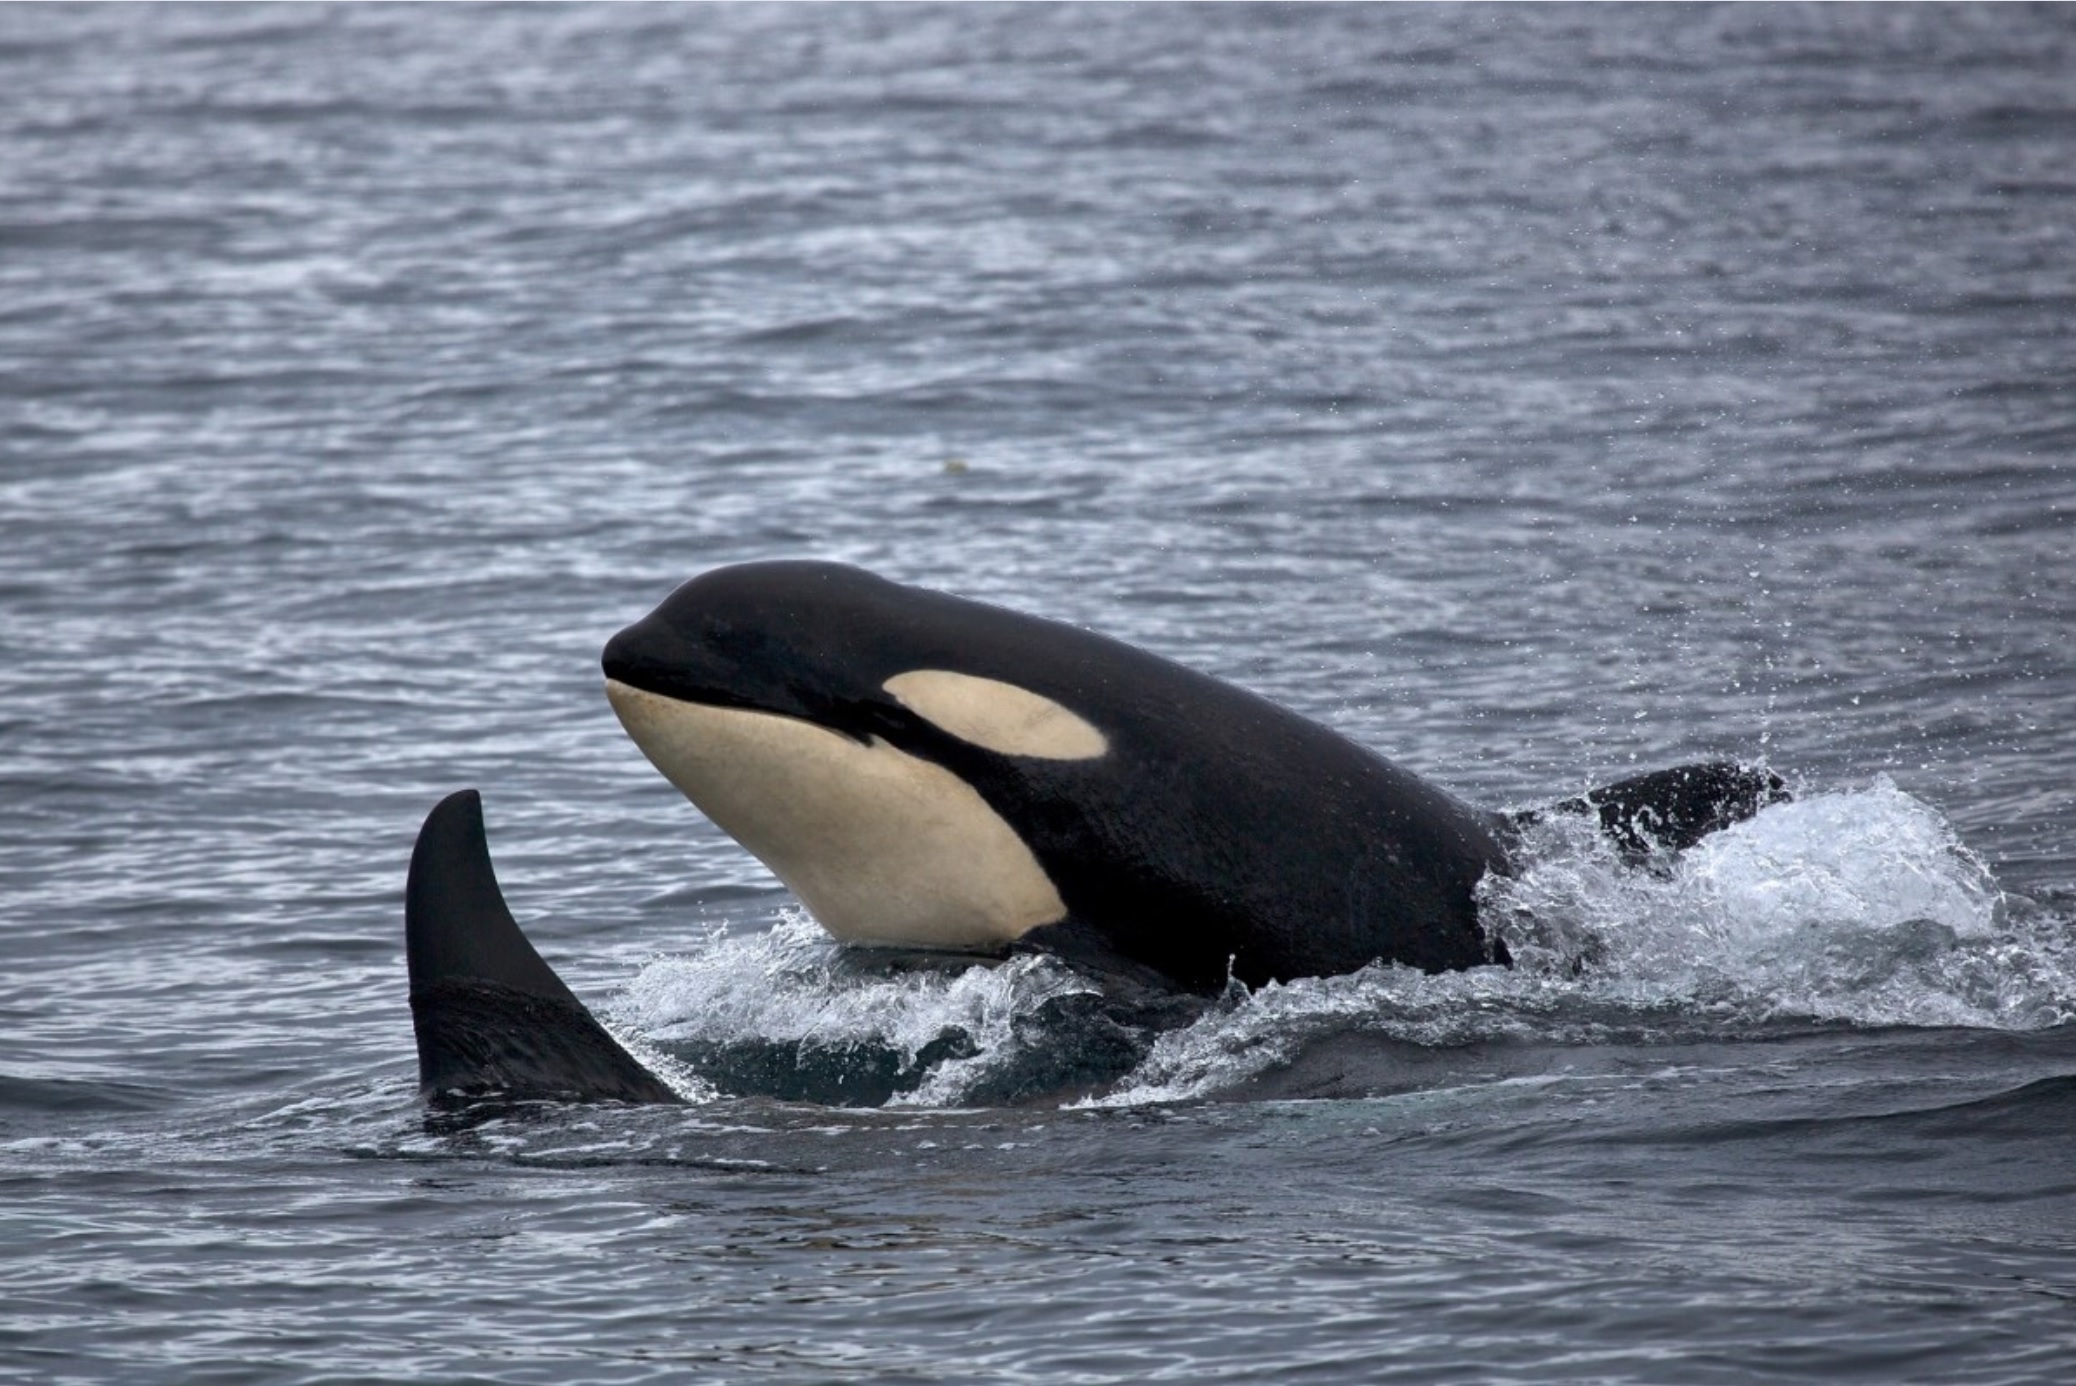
1852, 908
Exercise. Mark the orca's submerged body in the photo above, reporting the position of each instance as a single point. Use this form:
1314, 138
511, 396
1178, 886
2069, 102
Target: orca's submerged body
929, 772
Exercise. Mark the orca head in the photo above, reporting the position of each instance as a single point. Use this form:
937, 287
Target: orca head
836, 725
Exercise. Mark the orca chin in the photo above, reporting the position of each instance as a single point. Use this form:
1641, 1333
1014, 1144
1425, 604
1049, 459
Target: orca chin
493, 1021
926, 771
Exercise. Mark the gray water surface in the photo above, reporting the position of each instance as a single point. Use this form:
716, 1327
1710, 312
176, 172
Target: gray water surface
1536, 395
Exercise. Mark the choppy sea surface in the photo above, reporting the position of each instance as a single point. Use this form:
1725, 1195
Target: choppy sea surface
1536, 395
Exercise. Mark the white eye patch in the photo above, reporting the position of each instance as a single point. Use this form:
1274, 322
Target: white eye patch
997, 716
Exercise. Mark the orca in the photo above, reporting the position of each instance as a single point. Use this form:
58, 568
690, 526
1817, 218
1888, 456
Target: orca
493, 1021
925, 771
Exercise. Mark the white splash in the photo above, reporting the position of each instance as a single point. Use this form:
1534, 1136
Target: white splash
789, 985
1859, 907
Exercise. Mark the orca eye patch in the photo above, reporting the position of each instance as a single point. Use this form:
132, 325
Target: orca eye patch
997, 716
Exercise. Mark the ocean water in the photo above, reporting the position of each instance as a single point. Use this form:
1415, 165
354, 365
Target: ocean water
1536, 395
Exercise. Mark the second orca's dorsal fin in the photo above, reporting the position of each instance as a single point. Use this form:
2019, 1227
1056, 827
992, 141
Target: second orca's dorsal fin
456, 922
492, 1018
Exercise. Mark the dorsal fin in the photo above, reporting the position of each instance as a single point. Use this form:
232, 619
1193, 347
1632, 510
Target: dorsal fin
491, 1016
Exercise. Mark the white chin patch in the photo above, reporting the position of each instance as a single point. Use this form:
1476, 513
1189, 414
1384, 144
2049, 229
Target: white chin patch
997, 716
882, 847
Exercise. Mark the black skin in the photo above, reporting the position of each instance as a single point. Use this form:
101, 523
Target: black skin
493, 1020
1670, 810
1220, 835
